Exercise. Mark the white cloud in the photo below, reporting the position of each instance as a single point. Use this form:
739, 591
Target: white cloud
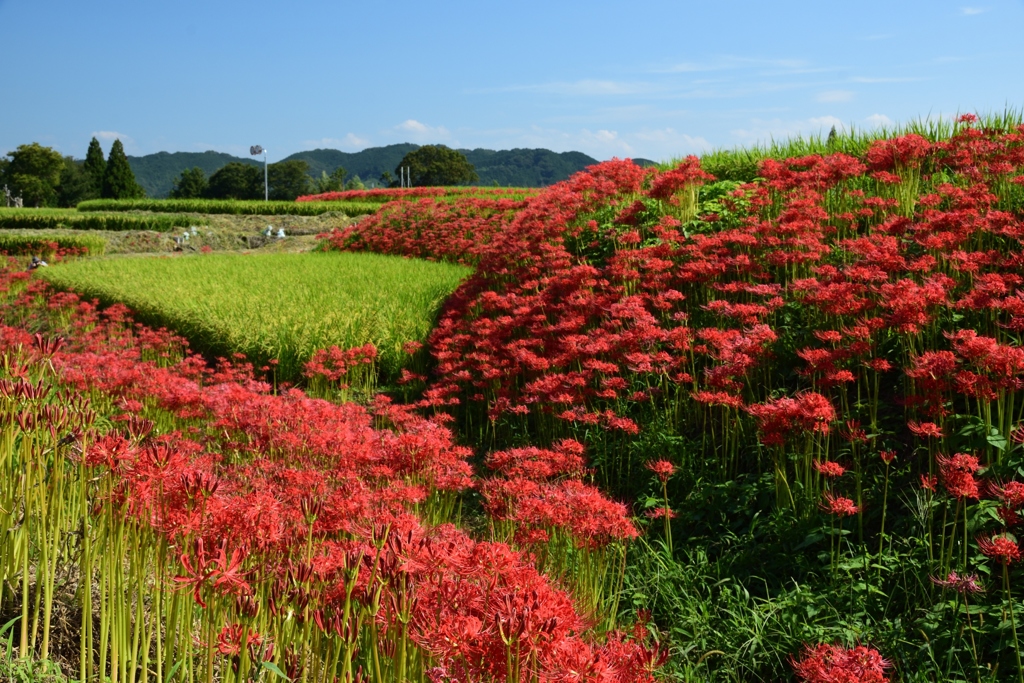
607, 140
421, 132
108, 136
835, 96
666, 143
658, 144
884, 79
586, 87
762, 131
733, 62
971, 11
350, 141
879, 121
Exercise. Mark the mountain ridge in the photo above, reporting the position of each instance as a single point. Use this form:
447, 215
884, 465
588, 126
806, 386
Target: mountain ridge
519, 167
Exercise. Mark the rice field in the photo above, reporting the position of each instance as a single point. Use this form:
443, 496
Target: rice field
275, 306
70, 219
230, 206
48, 243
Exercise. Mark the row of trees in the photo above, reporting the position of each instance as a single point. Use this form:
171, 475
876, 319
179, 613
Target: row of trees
431, 165
42, 177
285, 180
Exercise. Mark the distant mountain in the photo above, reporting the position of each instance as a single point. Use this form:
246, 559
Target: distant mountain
157, 172
526, 167
367, 164
515, 167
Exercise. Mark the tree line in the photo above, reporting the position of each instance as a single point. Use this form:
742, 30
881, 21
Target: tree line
431, 165
41, 176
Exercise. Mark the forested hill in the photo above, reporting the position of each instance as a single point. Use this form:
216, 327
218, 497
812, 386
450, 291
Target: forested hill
156, 172
515, 167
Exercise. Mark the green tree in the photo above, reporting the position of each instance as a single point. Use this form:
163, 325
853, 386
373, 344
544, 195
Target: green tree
95, 166
236, 181
118, 179
433, 165
191, 184
388, 180
355, 184
33, 172
334, 182
289, 179
75, 184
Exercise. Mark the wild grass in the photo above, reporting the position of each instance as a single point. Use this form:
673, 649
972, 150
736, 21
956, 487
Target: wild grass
275, 306
742, 163
229, 206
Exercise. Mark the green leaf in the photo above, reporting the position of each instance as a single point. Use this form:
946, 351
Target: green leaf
274, 668
174, 670
6, 627
996, 440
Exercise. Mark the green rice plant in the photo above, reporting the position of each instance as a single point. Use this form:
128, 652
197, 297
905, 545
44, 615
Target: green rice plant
229, 206
276, 306
48, 244
50, 219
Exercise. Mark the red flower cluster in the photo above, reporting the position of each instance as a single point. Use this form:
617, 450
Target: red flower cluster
334, 364
540, 493
827, 663
957, 475
778, 418
307, 504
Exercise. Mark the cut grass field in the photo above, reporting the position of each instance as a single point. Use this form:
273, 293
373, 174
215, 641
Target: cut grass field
283, 306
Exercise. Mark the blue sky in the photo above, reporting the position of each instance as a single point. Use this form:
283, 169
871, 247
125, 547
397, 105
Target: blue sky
652, 79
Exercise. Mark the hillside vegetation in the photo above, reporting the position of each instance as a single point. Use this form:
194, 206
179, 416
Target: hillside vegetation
516, 167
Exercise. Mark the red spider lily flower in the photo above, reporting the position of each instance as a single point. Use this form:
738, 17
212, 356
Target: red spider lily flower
925, 429
827, 663
839, 506
894, 154
778, 418
196, 572
1009, 516
660, 513
968, 583
1001, 547
662, 468
929, 482
1017, 434
687, 174
1011, 494
829, 469
957, 475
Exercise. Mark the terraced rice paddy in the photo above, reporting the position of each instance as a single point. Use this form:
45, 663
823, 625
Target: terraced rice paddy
283, 306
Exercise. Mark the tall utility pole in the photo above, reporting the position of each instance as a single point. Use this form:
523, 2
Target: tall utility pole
257, 150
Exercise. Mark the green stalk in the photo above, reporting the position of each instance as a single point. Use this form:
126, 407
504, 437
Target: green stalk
885, 502
1013, 621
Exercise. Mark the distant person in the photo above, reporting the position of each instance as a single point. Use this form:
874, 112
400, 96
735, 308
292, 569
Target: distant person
37, 263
